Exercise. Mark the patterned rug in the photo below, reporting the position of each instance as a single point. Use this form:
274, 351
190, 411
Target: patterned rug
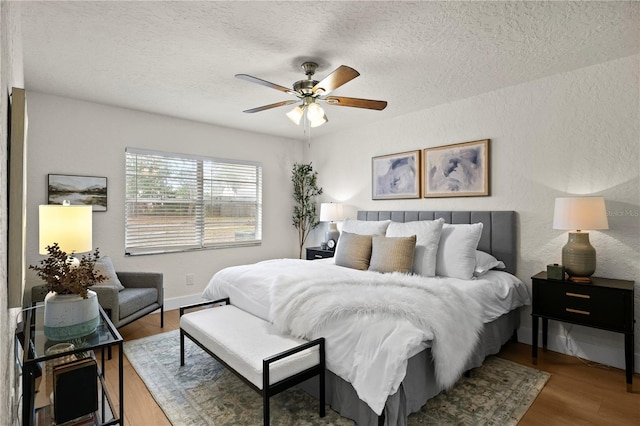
205, 393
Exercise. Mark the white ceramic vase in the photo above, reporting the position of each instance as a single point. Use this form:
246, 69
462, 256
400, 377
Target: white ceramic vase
69, 316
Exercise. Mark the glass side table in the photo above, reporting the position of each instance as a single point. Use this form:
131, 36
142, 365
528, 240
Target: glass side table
36, 353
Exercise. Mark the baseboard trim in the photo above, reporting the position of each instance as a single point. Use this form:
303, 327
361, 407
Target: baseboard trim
176, 302
606, 355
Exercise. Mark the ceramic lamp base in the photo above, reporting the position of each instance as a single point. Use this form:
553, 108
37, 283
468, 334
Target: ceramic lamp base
578, 255
69, 316
332, 232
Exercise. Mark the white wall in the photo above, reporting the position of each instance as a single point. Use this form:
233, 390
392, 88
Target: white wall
572, 133
80, 138
11, 75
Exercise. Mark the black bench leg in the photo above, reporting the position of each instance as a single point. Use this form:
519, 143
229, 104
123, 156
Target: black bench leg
181, 348
322, 379
265, 405
322, 402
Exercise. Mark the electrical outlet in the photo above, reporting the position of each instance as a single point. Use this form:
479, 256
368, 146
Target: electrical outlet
190, 279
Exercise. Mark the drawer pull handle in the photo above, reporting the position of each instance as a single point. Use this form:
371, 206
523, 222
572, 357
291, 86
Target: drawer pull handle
577, 311
317, 256
581, 296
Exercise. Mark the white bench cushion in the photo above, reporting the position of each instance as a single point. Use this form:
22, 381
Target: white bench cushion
243, 340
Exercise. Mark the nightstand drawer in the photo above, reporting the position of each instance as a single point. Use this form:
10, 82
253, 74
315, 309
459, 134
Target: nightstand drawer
318, 253
584, 304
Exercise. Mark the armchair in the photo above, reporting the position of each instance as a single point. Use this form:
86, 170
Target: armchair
142, 294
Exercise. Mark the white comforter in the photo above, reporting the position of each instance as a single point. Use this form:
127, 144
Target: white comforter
372, 322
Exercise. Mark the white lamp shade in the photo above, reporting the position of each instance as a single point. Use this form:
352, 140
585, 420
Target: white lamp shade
314, 112
295, 114
69, 226
580, 213
331, 212
319, 122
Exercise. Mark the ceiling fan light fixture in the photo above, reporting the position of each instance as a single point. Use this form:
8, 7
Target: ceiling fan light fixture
314, 112
296, 114
318, 122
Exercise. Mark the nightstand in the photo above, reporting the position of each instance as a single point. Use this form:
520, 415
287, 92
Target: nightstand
603, 303
318, 253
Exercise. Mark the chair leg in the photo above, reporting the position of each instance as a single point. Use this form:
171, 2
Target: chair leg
162, 316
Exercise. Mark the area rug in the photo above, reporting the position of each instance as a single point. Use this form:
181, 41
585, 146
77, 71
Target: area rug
203, 392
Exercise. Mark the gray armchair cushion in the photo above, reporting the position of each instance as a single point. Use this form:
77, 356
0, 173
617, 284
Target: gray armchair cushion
133, 300
143, 293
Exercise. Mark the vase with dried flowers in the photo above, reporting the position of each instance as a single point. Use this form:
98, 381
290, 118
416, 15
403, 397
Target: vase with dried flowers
71, 308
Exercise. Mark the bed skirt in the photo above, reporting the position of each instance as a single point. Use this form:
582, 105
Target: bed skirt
419, 383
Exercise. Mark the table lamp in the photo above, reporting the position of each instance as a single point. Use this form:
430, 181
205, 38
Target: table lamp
331, 212
69, 226
579, 214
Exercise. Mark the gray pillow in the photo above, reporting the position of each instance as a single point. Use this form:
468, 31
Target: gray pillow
392, 254
104, 266
353, 251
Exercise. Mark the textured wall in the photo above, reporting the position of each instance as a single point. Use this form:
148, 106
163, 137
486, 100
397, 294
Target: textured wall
73, 137
11, 75
569, 134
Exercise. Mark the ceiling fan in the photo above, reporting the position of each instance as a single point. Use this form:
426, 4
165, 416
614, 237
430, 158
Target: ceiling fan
310, 92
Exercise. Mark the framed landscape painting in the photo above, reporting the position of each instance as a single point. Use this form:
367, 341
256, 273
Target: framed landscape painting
459, 170
79, 190
396, 176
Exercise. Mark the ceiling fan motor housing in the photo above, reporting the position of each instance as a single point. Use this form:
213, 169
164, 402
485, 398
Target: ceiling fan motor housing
304, 86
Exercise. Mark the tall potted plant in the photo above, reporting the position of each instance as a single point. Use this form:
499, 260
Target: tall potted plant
71, 309
305, 189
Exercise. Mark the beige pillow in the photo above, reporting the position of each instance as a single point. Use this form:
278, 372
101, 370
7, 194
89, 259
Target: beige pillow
353, 251
104, 266
392, 254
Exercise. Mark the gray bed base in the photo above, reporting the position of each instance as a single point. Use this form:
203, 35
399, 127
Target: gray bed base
499, 238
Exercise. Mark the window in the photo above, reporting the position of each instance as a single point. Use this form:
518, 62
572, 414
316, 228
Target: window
177, 202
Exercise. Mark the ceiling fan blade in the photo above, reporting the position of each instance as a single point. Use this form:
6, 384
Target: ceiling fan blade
276, 105
356, 102
266, 83
337, 78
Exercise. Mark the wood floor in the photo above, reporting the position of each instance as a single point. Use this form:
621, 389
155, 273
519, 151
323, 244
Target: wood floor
576, 393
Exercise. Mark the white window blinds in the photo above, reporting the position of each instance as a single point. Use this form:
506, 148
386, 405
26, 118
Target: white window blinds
177, 202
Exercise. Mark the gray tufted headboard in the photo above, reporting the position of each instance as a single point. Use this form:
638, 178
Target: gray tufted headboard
499, 232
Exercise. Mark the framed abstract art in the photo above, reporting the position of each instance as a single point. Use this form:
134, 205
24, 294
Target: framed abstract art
396, 176
459, 170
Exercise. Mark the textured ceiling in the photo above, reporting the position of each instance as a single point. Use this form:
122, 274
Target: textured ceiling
180, 58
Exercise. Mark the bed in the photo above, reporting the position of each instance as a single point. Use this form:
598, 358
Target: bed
391, 323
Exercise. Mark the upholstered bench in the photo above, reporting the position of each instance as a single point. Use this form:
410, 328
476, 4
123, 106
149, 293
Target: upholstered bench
253, 349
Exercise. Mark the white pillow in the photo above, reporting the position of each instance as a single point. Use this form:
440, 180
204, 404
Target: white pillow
457, 250
427, 234
365, 227
104, 266
485, 262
